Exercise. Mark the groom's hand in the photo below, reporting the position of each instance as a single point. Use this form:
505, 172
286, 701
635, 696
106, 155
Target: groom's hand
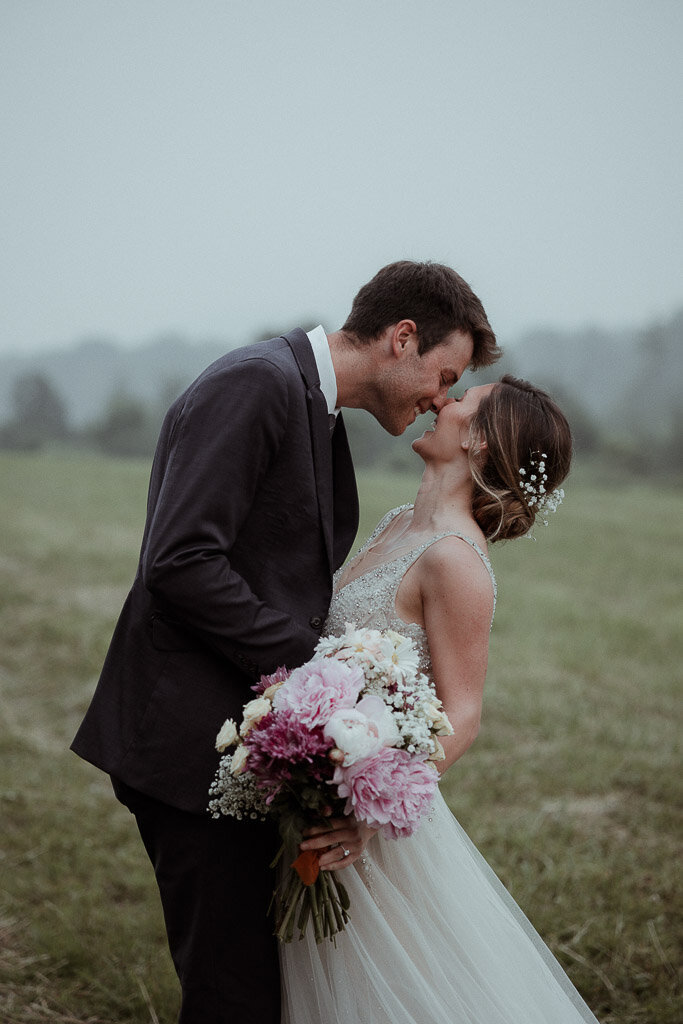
340, 842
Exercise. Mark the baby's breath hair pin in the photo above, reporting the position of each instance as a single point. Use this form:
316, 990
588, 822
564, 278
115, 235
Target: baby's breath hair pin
532, 486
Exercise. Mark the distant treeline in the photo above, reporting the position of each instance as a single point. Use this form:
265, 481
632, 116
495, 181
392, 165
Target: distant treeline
128, 427
621, 393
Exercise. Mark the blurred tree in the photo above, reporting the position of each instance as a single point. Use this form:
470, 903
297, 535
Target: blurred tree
128, 427
672, 454
585, 432
169, 389
39, 414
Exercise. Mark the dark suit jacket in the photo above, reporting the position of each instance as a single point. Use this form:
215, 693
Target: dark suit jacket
251, 508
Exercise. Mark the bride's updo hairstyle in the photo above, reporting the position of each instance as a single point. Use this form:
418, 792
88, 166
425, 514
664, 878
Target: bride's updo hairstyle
527, 437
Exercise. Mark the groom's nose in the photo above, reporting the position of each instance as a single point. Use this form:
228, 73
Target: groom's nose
440, 399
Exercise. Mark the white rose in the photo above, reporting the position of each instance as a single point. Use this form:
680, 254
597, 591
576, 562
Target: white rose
227, 735
239, 760
272, 690
438, 754
439, 720
253, 712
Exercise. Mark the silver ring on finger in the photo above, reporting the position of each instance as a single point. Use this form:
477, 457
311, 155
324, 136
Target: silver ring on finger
345, 851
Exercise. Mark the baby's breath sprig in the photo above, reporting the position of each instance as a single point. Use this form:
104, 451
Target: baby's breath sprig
532, 486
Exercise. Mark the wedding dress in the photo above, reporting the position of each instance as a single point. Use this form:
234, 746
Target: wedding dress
434, 936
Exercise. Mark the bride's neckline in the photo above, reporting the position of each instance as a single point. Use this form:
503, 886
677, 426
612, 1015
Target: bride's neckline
409, 551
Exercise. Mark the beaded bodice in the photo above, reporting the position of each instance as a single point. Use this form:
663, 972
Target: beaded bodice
369, 599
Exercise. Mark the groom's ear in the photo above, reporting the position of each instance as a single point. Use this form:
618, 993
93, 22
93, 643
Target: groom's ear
403, 338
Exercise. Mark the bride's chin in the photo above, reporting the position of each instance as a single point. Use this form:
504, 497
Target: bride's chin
417, 444
427, 431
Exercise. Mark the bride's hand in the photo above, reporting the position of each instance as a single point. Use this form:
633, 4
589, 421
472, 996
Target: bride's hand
340, 842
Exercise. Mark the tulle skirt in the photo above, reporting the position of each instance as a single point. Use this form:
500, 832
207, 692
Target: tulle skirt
434, 938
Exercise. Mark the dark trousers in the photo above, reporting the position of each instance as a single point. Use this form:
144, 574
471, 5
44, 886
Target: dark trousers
215, 885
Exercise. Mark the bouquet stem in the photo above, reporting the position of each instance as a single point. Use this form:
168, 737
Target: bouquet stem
323, 900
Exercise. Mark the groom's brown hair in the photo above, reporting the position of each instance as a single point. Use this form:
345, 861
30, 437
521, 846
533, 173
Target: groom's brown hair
434, 296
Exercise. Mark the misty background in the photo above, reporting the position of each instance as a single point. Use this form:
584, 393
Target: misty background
178, 179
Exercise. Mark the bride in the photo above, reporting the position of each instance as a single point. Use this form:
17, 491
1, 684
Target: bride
434, 937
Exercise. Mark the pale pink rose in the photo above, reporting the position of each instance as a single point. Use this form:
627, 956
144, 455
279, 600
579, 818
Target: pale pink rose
253, 712
318, 688
239, 760
271, 690
439, 720
227, 735
438, 754
391, 790
362, 730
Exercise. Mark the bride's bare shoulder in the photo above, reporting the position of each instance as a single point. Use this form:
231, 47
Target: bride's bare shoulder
454, 568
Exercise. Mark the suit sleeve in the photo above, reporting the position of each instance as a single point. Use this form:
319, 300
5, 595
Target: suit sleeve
218, 450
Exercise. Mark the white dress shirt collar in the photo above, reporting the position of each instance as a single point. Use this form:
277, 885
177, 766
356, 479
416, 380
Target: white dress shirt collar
323, 361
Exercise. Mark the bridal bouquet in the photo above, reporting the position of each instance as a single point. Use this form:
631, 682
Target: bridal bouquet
353, 731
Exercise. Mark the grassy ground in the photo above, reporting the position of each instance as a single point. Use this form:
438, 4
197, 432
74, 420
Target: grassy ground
571, 791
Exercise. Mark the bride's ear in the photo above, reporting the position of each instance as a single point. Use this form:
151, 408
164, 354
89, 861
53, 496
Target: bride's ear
477, 444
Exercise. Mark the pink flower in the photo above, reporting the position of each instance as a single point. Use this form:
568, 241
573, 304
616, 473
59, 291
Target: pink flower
315, 690
278, 676
280, 743
392, 790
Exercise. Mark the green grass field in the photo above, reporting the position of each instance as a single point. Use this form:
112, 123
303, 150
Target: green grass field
572, 790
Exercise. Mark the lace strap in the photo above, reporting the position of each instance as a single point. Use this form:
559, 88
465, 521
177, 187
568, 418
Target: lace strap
384, 521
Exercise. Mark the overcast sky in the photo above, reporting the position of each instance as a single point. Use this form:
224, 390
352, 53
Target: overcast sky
218, 167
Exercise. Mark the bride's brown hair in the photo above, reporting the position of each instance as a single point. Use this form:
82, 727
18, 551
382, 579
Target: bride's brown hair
521, 426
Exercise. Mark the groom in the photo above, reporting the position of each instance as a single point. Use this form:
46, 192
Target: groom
252, 506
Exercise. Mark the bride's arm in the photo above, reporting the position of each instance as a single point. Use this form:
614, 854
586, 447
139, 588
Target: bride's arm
457, 604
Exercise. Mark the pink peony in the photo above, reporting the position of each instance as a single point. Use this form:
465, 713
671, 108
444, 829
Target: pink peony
315, 690
392, 790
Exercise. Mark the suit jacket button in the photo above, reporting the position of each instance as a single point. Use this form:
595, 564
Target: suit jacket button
316, 622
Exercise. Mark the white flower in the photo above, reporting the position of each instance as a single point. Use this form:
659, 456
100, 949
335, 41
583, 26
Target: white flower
236, 795
377, 711
534, 490
272, 690
363, 730
439, 720
227, 735
354, 734
390, 664
253, 712
438, 753
404, 657
239, 760
363, 646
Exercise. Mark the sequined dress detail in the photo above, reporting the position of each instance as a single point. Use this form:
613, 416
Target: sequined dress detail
370, 598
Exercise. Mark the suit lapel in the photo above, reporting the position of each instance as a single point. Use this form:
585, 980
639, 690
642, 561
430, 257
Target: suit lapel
320, 434
345, 495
